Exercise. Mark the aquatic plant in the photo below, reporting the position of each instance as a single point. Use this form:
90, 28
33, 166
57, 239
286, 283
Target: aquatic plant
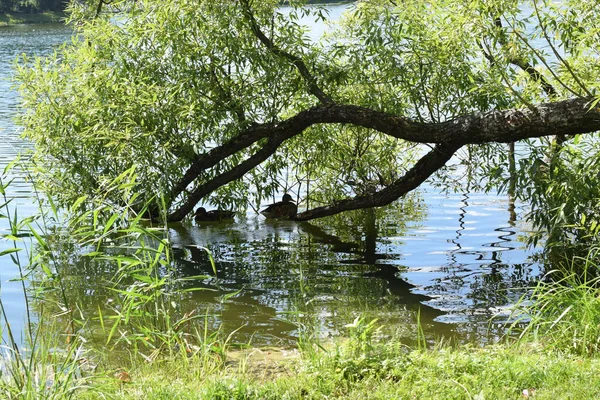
60, 351
563, 311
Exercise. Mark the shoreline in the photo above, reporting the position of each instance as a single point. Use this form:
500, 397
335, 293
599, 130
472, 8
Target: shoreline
46, 17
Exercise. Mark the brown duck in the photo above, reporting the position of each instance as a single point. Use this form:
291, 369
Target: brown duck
201, 215
286, 208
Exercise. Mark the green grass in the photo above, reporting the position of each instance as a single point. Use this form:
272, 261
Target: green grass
493, 372
46, 17
565, 308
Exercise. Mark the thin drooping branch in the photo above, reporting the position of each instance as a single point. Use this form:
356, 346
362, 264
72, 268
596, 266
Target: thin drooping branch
557, 53
226, 95
310, 80
544, 62
423, 169
535, 75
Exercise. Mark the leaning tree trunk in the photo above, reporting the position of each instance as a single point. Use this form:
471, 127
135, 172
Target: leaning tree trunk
567, 117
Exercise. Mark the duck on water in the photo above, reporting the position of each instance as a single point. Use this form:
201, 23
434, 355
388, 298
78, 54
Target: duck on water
286, 208
201, 215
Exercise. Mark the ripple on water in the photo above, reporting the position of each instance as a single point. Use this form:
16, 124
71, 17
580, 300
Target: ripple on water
14, 41
459, 262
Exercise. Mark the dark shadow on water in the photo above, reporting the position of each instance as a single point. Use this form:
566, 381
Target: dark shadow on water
290, 275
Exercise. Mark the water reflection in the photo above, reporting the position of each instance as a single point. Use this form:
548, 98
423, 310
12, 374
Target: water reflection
487, 268
449, 258
366, 263
287, 272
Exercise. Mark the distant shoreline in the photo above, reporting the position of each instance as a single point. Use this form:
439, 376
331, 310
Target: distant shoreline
46, 17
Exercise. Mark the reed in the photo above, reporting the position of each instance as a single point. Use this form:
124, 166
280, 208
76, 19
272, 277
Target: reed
42, 364
144, 323
563, 310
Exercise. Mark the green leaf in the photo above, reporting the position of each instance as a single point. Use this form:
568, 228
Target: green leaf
9, 251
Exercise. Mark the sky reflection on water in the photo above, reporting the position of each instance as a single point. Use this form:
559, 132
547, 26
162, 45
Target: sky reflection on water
453, 259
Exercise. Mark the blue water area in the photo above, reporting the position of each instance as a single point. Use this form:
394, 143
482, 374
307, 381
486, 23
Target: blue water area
15, 41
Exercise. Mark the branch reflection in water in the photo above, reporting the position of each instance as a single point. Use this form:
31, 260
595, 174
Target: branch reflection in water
291, 274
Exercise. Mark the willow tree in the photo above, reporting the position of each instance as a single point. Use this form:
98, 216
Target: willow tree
229, 102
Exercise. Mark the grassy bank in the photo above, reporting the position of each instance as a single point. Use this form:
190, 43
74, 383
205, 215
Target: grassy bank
46, 17
494, 372
345, 369
143, 346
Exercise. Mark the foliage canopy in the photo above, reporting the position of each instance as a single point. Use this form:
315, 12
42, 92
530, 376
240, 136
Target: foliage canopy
231, 102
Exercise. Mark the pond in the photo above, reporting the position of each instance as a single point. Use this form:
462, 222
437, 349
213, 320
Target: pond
450, 261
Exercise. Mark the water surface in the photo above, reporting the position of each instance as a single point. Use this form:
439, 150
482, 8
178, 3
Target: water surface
453, 261
15, 41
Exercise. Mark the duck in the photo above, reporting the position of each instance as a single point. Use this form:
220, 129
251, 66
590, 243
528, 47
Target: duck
201, 215
286, 208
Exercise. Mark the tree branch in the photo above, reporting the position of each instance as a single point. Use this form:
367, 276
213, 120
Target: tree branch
527, 67
243, 140
568, 117
543, 60
557, 54
423, 169
98, 9
310, 80
234, 173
